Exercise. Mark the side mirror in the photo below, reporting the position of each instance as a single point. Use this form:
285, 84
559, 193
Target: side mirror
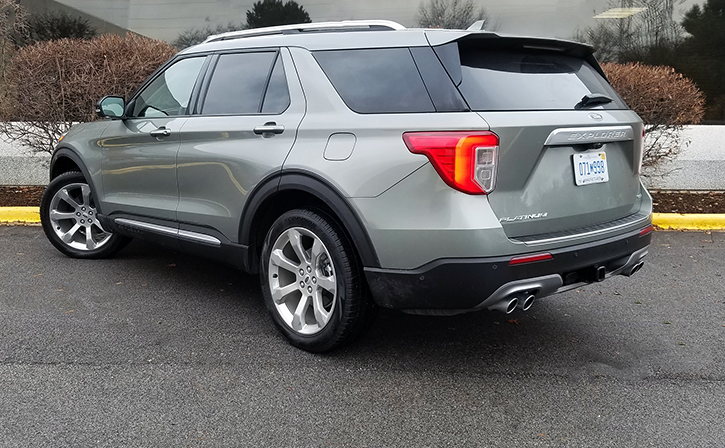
111, 106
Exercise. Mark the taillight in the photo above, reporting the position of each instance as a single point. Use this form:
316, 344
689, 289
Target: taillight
464, 160
641, 154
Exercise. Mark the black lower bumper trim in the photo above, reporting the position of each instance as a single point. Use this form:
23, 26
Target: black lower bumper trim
460, 284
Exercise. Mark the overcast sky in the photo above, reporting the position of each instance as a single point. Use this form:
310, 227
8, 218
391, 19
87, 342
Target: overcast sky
165, 19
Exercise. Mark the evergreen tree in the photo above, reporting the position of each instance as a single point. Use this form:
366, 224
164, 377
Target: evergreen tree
703, 53
275, 12
59, 25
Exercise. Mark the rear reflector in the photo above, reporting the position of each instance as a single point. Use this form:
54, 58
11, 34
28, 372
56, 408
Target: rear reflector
647, 230
465, 161
530, 259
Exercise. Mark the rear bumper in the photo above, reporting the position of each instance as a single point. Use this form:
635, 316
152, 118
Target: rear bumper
458, 285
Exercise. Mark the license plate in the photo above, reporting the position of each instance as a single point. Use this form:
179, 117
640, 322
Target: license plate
590, 168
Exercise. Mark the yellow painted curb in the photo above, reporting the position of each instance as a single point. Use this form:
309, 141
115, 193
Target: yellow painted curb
666, 221
19, 215
690, 221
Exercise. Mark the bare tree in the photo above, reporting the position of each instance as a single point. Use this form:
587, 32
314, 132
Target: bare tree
194, 36
451, 14
14, 26
641, 36
14, 31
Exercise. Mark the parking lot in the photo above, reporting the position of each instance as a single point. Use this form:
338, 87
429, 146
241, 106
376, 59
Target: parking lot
155, 348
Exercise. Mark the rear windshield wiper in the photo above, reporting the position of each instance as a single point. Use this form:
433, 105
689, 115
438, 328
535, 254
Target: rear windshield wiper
593, 99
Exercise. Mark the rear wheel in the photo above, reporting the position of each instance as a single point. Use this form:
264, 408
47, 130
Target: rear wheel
313, 283
70, 220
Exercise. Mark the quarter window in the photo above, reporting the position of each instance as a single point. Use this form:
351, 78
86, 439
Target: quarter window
169, 93
277, 98
384, 80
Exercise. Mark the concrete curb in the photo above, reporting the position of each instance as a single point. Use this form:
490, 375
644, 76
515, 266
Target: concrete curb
662, 221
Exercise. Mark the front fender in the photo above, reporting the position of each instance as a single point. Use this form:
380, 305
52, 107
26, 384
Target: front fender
65, 159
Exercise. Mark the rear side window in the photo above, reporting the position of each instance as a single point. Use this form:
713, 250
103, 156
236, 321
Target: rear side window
246, 83
384, 80
505, 80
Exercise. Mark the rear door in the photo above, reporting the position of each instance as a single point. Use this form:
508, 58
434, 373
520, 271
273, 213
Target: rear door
569, 147
249, 112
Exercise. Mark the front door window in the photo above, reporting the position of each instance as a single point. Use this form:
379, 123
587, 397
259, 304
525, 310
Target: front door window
168, 95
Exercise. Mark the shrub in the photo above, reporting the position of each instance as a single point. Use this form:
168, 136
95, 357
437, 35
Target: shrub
664, 99
55, 84
59, 25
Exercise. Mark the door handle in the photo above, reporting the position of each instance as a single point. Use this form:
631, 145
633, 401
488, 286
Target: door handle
160, 132
269, 128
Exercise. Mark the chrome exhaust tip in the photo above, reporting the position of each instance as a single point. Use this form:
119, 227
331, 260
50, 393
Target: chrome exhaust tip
525, 301
634, 269
507, 305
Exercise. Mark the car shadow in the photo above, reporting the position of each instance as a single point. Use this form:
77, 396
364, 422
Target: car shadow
557, 335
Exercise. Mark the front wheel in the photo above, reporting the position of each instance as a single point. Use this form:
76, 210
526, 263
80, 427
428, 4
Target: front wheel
70, 220
312, 282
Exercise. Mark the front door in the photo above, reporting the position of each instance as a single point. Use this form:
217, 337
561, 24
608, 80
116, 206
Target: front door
139, 164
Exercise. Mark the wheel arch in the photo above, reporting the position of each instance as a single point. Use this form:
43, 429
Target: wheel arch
290, 190
65, 160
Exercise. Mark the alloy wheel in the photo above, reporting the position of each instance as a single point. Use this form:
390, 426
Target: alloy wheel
302, 280
74, 218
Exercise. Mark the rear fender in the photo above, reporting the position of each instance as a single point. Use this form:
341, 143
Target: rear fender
312, 185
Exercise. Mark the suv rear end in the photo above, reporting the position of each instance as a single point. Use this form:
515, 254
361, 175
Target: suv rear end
481, 176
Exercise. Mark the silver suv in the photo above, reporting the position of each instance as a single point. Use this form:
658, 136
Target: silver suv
361, 164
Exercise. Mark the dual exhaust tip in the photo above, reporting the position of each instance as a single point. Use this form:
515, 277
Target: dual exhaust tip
522, 301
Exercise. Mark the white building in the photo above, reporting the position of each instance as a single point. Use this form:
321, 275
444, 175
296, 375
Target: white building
165, 19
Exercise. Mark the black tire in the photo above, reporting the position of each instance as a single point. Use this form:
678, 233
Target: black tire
327, 320
68, 215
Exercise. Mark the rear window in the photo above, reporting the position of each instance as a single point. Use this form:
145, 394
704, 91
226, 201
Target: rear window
506, 80
384, 80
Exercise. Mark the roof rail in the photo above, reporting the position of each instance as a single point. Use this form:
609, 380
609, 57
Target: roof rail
345, 25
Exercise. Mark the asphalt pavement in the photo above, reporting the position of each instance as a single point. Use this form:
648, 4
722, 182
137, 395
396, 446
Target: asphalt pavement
157, 349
